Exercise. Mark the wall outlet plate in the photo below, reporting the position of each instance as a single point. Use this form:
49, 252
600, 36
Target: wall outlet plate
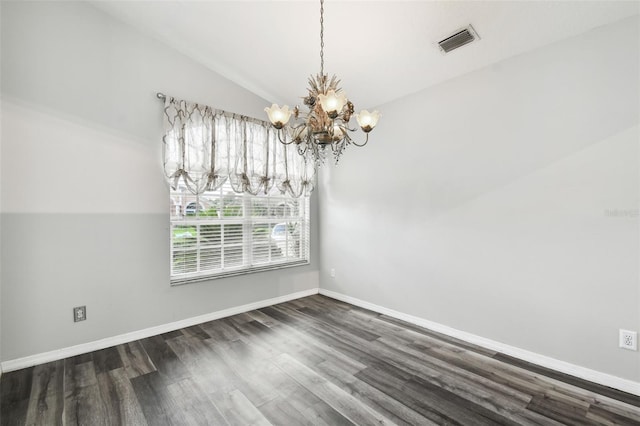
629, 340
79, 313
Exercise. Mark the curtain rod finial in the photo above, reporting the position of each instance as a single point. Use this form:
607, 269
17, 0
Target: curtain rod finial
161, 95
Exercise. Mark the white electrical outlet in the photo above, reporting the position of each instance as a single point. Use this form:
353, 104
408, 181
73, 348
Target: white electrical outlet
629, 340
333, 273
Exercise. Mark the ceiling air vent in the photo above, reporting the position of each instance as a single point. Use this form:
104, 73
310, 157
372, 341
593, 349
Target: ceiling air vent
460, 38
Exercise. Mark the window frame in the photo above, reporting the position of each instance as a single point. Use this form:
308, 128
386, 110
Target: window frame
250, 242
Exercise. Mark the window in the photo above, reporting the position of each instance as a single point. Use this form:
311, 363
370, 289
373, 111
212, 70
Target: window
214, 161
221, 233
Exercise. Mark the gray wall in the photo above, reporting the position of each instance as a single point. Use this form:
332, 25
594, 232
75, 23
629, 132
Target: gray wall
504, 203
84, 203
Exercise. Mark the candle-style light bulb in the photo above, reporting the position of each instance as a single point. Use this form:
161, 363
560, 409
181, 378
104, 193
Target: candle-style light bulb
279, 117
367, 120
332, 103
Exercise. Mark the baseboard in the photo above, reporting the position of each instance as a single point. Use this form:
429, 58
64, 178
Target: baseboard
30, 361
541, 360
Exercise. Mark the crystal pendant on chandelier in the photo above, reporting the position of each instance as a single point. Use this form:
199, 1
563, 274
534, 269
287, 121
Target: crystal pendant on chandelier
327, 119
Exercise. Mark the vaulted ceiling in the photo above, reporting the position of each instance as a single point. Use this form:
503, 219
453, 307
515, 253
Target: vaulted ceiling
381, 50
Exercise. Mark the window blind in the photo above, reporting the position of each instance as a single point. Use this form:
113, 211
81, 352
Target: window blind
221, 233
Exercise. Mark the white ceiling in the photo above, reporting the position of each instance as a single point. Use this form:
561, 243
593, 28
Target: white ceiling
381, 50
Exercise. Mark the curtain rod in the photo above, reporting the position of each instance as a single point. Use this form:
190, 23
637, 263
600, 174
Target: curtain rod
163, 97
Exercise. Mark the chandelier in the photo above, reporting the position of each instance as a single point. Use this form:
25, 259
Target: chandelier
326, 123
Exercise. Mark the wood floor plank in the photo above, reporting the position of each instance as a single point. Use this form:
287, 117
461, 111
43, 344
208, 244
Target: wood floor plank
153, 397
220, 331
311, 361
196, 331
262, 318
281, 338
525, 380
164, 359
439, 336
194, 405
240, 318
244, 364
16, 385
248, 382
464, 360
459, 408
394, 387
350, 346
156, 401
284, 315
314, 410
106, 360
238, 410
214, 367
558, 410
46, 402
348, 327
135, 359
607, 407
429, 359
593, 387
171, 334
394, 410
510, 404
15, 391
426, 358
307, 349
120, 399
206, 367
83, 403
601, 415
340, 400
14, 413
279, 411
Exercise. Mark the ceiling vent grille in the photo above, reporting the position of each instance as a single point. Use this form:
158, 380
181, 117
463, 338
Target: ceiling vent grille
459, 39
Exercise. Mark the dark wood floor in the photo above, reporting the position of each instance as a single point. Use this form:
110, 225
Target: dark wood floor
313, 361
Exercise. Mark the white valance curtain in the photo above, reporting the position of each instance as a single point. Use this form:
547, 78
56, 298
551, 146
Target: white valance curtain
204, 148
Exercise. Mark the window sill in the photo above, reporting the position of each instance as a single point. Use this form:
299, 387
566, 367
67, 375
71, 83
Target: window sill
233, 273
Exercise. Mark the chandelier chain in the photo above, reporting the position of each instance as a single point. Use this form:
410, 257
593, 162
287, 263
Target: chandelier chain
322, 37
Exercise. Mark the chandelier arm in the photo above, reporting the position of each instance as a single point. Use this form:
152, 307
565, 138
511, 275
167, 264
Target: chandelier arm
283, 141
360, 144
